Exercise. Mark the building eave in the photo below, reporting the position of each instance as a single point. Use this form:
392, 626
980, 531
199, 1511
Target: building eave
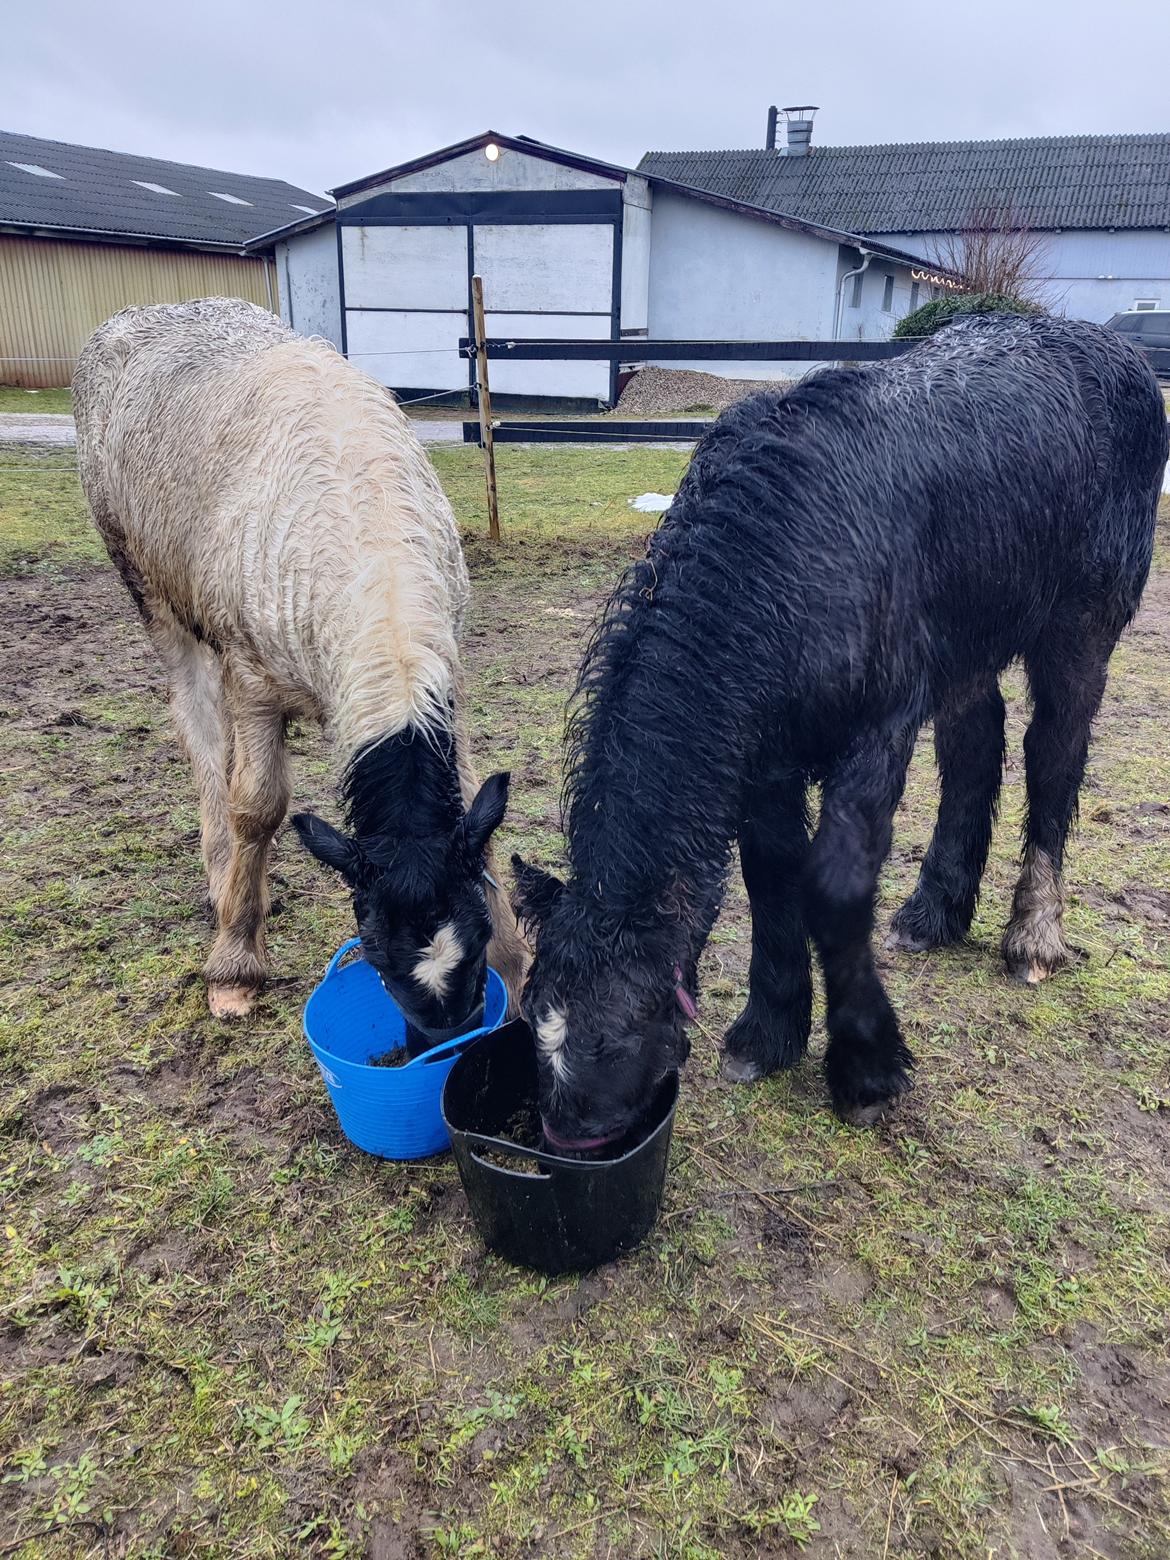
114, 236
278, 235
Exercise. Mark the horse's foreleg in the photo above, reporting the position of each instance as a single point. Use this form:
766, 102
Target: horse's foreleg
258, 796
772, 1030
866, 1062
508, 953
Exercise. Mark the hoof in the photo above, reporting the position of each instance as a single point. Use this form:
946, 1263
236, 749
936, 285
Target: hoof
922, 923
863, 1089
867, 1115
872, 1099
231, 1001
739, 1069
1030, 969
905, 942
1029, 974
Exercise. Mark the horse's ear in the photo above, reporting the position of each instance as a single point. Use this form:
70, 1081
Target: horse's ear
486, 813
536, 893
330, 846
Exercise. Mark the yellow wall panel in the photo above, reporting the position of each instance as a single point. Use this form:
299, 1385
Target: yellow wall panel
54, 294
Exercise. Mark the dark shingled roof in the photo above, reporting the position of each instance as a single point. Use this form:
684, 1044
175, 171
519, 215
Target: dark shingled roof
95, 195
1076, 181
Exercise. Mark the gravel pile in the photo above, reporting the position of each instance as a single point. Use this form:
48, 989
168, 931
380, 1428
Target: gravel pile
680, 390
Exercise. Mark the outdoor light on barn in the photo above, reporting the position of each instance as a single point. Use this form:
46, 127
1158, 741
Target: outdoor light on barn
491, 151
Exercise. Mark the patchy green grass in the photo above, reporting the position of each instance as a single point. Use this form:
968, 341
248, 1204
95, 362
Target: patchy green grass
43, 518
225, 1332
14, 399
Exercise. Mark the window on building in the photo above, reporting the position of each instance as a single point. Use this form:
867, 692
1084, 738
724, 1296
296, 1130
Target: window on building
855, 296
1146, 303
915, 288
888, 295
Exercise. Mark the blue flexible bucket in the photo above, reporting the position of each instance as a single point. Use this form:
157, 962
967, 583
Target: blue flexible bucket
390, 1111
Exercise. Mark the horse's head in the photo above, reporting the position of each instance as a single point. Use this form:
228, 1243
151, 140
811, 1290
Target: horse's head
422, 913
607, 1002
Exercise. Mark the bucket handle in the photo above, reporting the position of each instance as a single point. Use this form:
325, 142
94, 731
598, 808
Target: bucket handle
453, 1047
346, 947
478, 1144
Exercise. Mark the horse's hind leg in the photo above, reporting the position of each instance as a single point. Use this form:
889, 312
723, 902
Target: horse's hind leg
258, 796
772, 1030
968, 746
200, 716
1067, 675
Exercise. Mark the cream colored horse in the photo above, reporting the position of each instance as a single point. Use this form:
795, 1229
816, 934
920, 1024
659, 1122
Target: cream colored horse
292, 554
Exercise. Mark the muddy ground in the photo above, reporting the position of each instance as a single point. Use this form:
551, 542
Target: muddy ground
227, 1332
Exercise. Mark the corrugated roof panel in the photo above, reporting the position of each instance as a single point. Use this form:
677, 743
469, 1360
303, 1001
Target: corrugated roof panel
120, 194
1088, 181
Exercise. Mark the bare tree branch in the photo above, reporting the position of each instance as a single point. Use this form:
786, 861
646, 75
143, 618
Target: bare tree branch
996, 253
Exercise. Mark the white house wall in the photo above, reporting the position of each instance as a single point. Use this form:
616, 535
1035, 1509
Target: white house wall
869, 319
716, 275
306, 269
1087, 274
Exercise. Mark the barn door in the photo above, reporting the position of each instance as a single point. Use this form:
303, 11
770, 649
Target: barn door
548, 279
406, 301
406, 298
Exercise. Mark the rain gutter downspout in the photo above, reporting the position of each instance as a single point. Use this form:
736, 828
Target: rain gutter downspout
857, 271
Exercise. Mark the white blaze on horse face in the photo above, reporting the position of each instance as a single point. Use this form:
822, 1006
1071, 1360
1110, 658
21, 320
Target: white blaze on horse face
551, 1032
438, 960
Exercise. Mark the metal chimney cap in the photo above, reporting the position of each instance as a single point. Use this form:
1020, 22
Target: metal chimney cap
801, 111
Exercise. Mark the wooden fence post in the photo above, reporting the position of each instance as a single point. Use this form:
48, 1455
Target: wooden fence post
485, 408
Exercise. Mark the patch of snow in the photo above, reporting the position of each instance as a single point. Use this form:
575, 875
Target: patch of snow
652, 503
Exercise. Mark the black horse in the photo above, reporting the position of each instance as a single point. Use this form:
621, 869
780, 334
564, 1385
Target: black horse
842, 563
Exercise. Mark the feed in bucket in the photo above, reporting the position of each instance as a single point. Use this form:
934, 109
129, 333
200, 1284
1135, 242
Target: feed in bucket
536, 1205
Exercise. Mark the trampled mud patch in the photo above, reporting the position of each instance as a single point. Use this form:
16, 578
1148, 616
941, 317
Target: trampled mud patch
925, 1332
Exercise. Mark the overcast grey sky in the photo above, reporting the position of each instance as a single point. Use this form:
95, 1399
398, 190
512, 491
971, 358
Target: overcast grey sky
322, 93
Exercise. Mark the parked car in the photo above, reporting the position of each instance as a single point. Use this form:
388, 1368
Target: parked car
1150, 328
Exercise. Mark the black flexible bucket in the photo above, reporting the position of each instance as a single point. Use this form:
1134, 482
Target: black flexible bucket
570, 1214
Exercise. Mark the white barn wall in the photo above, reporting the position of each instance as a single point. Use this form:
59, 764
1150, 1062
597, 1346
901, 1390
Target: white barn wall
564, 270
473, 171
306, 269
1096, 274
405, 267
415, 349
637, 219
565, 267
588, 381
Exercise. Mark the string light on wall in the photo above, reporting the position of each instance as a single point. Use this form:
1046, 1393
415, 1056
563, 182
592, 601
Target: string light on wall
937, 280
